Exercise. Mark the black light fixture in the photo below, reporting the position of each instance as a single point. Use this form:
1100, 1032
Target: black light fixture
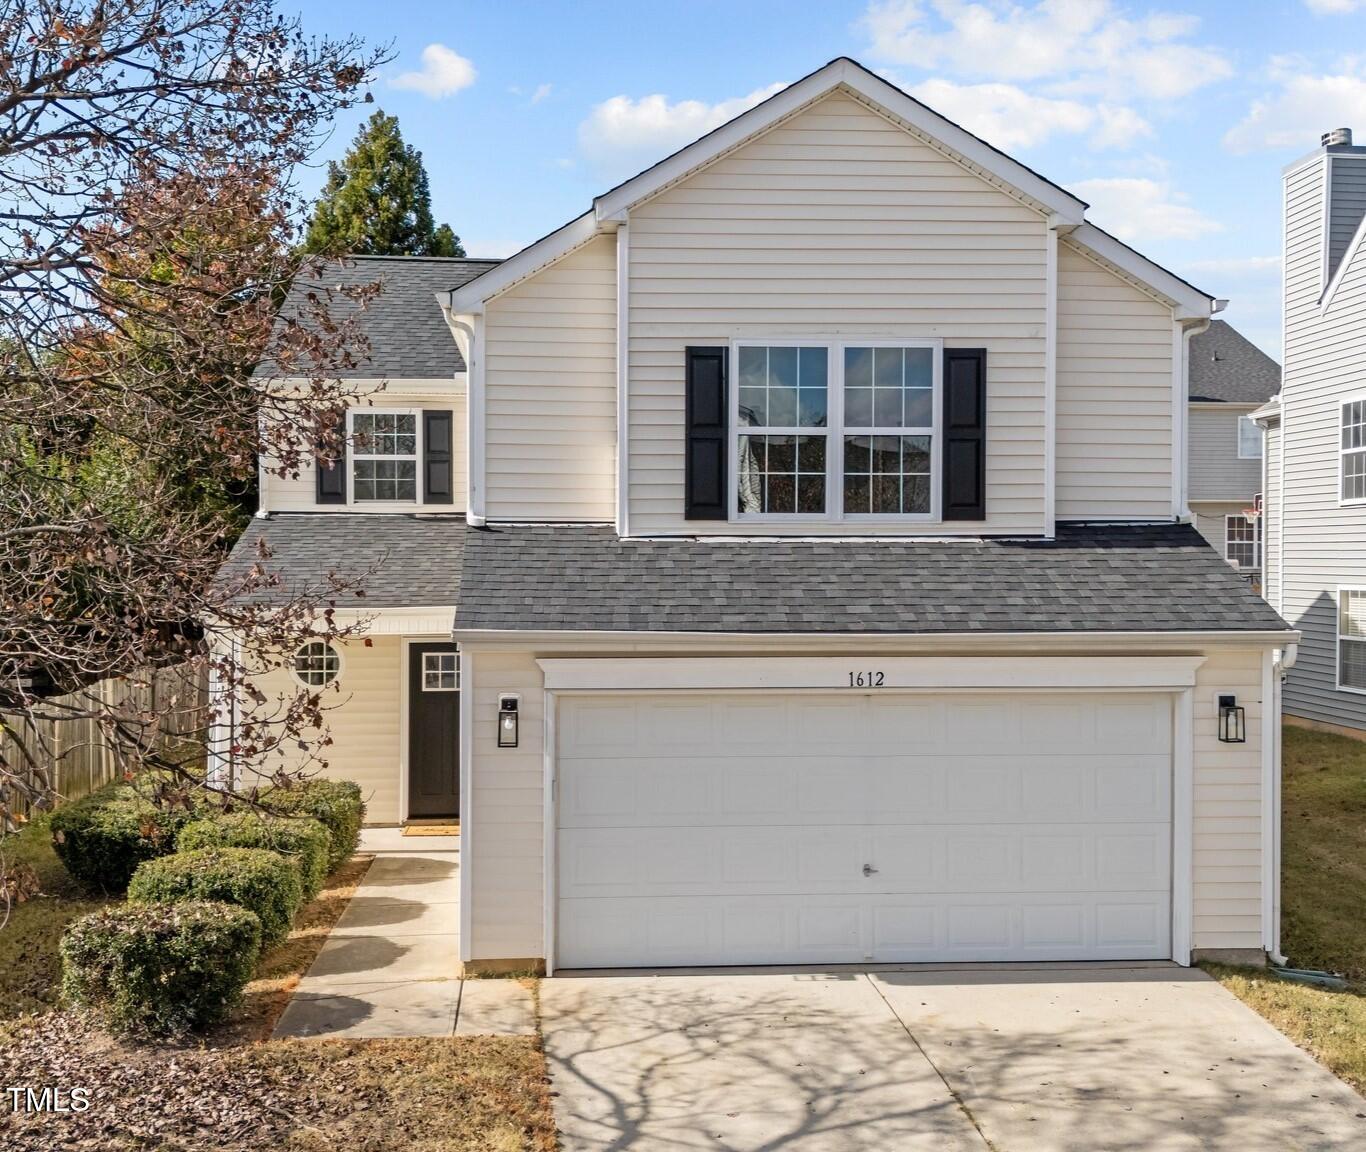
1232, 723
507, 721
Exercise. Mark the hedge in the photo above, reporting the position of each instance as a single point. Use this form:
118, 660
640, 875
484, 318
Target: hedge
336, 804
262, 882
102, 838
161, 969
305, 842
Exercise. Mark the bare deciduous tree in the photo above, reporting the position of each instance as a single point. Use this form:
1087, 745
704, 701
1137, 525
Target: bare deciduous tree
147, 232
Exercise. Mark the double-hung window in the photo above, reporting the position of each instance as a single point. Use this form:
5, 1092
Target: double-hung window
384, 456
1352, 450
837, 430
1352, 639
1241, 546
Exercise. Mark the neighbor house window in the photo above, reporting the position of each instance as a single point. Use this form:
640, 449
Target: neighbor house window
1353, 450
383, 456
839, 430
316, 664
1240, 542
1352, 638
440, 671
1249, 439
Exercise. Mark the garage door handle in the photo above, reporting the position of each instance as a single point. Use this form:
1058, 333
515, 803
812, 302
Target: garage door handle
868, 869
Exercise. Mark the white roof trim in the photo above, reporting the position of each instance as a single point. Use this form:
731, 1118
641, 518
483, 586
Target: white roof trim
1188, 301
848, 73
1268, 413
469, 298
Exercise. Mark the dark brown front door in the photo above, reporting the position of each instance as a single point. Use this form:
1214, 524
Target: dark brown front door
433, 730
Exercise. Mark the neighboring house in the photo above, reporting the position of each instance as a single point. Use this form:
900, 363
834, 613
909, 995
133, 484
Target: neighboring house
1315, 486
1229, 377
792, 563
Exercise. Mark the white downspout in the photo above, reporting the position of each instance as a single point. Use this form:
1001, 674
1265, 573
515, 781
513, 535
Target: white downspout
1281, 662
474, 412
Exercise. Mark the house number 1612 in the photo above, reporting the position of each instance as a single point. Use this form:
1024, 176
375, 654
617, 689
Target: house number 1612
867, 679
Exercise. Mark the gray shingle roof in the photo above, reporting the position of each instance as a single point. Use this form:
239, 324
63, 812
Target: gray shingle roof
1226, 366
407, 333
1090, 579
403, 560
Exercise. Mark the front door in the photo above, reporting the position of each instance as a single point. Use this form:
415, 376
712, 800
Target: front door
433, 730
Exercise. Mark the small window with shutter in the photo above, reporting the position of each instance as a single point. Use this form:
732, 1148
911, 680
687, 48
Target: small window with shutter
392, 456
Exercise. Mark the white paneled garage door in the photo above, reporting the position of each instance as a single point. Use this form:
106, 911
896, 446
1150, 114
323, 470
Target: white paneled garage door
757, 829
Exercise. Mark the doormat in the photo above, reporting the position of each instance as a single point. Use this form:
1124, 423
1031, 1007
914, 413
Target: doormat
431, 830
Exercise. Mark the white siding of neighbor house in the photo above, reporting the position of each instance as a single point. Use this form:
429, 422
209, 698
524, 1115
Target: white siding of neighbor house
288, 494
1216, 471
508, 869
362, 715
1325, 362
1271, 519
1114, 396
837, 222
551, 394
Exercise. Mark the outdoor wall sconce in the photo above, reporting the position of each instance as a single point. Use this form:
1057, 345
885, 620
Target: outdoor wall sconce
1232, 725
507, 721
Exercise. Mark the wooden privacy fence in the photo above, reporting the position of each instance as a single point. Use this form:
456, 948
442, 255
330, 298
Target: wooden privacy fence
77, 754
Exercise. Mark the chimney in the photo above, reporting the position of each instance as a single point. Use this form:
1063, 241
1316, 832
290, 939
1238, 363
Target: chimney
1336, 137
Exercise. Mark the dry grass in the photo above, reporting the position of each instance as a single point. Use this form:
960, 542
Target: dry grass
1323, 898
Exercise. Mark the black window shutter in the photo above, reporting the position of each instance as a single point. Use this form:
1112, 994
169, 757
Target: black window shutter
706, 414
437, 482
965, 434
331, 476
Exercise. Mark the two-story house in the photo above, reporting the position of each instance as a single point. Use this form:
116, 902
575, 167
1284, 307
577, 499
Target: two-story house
787, 561
1315, 468
1228, 378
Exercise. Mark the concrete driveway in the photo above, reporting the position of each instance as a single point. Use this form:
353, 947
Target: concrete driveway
1015, 1059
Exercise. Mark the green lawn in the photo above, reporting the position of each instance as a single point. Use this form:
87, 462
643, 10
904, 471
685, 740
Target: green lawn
1323, 901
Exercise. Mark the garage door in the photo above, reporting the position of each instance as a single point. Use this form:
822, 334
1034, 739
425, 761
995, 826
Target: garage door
763, 829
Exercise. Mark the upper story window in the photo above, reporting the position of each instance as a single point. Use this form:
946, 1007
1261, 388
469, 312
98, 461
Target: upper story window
384, 455
1352, 450
836, 430
1249, 439
1352, 639
1241, 546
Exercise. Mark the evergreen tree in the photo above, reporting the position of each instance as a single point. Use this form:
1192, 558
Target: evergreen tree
377, 201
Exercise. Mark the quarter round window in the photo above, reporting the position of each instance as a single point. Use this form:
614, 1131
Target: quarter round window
316, 664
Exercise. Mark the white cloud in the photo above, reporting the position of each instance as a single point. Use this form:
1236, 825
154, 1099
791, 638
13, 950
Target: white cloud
1299, 113
444, 72
1137, 209
1009, 117
1081, 46
1333, 7
542, 91
622, 135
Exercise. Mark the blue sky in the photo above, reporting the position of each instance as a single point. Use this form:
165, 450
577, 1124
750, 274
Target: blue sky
1173, 121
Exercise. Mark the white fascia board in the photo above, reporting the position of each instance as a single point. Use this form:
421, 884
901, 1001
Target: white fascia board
833, 673
1269, 413
1188, 302
386, 384
843, 72
1242, 406
469, 298
424, 621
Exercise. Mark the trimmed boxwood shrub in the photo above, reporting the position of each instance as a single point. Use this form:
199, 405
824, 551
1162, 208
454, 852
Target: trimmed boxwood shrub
102, 838
252, 878
336, 804
161, 968
304, 842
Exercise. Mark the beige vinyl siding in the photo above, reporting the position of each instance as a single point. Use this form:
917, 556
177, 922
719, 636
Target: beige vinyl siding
550, 392
836, 223
286, 494
362, 715
1226, 864
1271, 520
1325, 542
1215, 470
1114, 396
505, 811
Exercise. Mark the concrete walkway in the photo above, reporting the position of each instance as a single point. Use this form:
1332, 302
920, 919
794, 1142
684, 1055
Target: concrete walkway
1043, 1058
390, 966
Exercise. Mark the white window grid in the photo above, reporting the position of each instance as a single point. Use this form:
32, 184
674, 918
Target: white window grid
316, 664
1351, 640
441, 671
388, 443
835, 430
1242, 544
1352, 451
